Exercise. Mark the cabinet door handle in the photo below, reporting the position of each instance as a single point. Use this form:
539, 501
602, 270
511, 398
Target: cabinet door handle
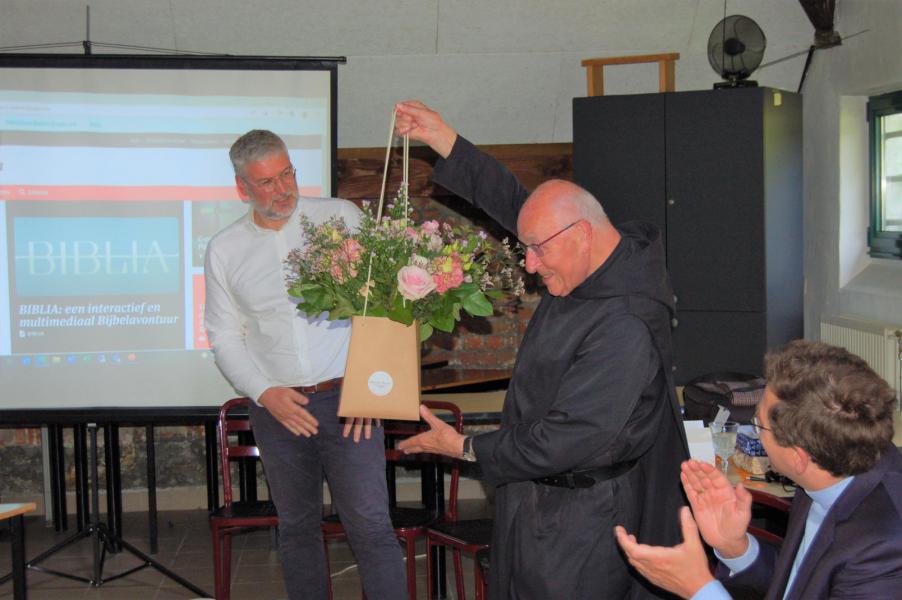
671, 202
674, 323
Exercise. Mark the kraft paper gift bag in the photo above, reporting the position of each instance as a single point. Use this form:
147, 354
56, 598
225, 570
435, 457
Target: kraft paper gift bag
382, 375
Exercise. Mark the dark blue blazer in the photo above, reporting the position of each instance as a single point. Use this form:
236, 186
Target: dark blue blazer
857, 552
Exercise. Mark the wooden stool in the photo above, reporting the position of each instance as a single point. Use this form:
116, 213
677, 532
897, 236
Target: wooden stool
15, 513
595, 70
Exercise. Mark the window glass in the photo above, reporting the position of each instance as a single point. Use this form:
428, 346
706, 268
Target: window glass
885, 125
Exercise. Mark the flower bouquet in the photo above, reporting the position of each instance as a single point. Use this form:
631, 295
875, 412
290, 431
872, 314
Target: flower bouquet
392, 267
398, 281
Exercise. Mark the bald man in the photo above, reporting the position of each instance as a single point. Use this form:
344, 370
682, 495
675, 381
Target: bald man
591, 431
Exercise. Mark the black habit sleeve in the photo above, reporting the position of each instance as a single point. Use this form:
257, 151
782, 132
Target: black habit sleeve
486, 184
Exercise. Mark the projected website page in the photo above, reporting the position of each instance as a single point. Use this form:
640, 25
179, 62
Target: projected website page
107, 202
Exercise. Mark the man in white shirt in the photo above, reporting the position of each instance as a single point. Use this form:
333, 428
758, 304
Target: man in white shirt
291, 365
826, 422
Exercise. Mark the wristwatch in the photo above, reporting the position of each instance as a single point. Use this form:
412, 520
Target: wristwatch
468, 454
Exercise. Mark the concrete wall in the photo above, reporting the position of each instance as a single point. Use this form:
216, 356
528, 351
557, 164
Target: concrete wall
840, 278
503, 71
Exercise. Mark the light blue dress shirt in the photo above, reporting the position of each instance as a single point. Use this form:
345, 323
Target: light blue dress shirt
821, 502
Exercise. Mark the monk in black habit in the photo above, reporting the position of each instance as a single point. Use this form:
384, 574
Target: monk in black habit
591, 433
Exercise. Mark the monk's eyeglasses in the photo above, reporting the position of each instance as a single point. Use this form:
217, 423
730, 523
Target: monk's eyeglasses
537, 248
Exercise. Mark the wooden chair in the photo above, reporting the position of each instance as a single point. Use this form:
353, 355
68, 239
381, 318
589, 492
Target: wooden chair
595, 70
233, 516
409, 523
468, 536
769, 505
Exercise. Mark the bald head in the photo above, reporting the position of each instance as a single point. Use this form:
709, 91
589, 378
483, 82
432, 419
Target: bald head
565, 201
567, 233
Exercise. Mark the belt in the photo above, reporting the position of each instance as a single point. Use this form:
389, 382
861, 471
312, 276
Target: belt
585, 478
322, 386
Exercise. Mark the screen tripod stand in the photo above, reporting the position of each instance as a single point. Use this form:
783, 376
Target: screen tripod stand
104, 541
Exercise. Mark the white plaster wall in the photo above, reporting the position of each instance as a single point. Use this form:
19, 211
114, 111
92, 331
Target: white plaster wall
840, 278
502, 71
854, 167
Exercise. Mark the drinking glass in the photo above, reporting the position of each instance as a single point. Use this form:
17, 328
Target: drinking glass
724, 438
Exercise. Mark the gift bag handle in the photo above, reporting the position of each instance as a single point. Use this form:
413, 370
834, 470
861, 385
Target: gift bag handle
405, 169
405, 166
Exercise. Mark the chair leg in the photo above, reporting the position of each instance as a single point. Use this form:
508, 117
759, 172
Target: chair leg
217, 565
226, 591
411, 551
429, 547
479, 591
459, 575
328, 565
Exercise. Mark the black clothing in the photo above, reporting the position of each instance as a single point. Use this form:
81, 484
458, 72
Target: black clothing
591, 388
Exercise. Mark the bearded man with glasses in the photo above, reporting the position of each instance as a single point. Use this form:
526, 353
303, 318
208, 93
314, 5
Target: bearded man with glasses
291, 365
591, 431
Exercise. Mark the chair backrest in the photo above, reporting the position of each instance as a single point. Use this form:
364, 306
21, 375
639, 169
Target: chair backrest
408, 428
773, 504
234, 447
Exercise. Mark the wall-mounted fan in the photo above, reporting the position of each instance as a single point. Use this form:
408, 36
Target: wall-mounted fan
735, 49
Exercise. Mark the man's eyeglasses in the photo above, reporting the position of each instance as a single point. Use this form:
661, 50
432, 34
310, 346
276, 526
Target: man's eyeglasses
268, 184
537, 248
757, 427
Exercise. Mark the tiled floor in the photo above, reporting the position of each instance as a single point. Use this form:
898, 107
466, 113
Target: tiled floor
185, 548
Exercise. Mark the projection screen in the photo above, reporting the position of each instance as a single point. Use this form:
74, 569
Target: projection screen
114, 174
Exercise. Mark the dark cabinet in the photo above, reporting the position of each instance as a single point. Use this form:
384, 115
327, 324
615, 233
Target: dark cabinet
720, 173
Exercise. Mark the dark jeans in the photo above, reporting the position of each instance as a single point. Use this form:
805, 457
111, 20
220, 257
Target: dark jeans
295, 466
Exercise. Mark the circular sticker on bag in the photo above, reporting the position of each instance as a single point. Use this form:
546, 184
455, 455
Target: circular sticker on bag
380, 383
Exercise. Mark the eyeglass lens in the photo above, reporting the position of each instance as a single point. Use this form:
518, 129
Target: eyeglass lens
286, 177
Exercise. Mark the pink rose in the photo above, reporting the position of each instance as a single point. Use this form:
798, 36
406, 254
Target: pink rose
414, 283
430, 226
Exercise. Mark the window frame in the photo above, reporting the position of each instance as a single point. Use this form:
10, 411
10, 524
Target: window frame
881, 243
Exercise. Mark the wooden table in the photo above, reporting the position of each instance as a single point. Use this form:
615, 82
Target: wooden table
479, 408
15, 513
735, 475
445, 378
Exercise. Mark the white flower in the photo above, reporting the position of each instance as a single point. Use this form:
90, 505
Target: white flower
419, 261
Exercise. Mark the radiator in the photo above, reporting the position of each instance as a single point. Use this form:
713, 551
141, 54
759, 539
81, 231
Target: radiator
879, 344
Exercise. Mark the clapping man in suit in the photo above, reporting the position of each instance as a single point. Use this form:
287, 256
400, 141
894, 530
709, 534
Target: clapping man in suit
825, 422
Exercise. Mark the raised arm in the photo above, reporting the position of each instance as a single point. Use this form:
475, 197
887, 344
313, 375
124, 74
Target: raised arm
425, 125
465, 170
